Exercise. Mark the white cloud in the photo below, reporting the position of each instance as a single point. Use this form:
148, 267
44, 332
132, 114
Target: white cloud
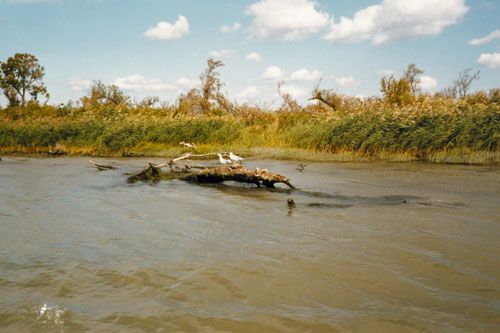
136, 82
222, 53
294, 91
385, 72
285, 19
491, 60
79, 84
396, 20
272, 73
225, 28
187, 82
165, 30
347, 81
486, 39
427, 82
251, 91
254, 56
305, 75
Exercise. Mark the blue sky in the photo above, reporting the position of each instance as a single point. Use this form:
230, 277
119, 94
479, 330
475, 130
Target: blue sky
159, 48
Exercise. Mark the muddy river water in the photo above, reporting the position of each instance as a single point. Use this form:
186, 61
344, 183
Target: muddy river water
368, 247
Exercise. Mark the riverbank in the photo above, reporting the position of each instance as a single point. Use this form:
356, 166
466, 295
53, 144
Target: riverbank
454, 156
430, 129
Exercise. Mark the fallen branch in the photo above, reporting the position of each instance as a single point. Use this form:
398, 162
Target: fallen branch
101, 167
207, 156
320, 98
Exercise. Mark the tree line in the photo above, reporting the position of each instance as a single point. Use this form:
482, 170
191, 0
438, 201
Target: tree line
21, 79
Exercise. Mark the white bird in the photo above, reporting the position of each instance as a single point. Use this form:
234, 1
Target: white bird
222, 160
235, 158
187, 144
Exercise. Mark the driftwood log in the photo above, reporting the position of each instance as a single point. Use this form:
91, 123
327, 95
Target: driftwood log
238, 173
101, 167
233, 172
151, 173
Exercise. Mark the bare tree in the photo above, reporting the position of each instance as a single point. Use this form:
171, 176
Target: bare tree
323, 96
149, 101
101, 94
410, 75
288, 101
464, 81
461, 86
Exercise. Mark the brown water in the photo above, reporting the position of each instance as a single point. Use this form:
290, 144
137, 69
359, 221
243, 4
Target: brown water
368, 247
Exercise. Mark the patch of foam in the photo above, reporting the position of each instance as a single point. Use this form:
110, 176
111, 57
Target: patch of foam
51, 314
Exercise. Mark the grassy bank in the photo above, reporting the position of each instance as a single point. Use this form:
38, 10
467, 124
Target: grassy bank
429, 129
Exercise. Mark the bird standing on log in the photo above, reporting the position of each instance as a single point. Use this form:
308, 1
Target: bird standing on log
222, 160
235, 158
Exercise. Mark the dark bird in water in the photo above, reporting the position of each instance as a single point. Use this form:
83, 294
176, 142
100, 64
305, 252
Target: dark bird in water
290, 203
301, 167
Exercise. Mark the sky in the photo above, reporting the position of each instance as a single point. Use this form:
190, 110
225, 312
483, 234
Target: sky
160, 47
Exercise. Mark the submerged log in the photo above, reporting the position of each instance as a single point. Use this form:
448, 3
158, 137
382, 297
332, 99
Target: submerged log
233, 172
151, 173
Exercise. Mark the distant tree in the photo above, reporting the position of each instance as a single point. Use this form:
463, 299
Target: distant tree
450, 92
149, 101
464, 81
288, 102
401, 91
11, 96
494, 95
210, 83
211, 88
410, 75
396, 91
190, 102
461, 86
101, 94
326, 97
21, 75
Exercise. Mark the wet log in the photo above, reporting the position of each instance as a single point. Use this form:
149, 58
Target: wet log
238, 173
151, 173
233, 172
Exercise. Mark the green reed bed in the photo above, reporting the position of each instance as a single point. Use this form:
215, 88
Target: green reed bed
434, 130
